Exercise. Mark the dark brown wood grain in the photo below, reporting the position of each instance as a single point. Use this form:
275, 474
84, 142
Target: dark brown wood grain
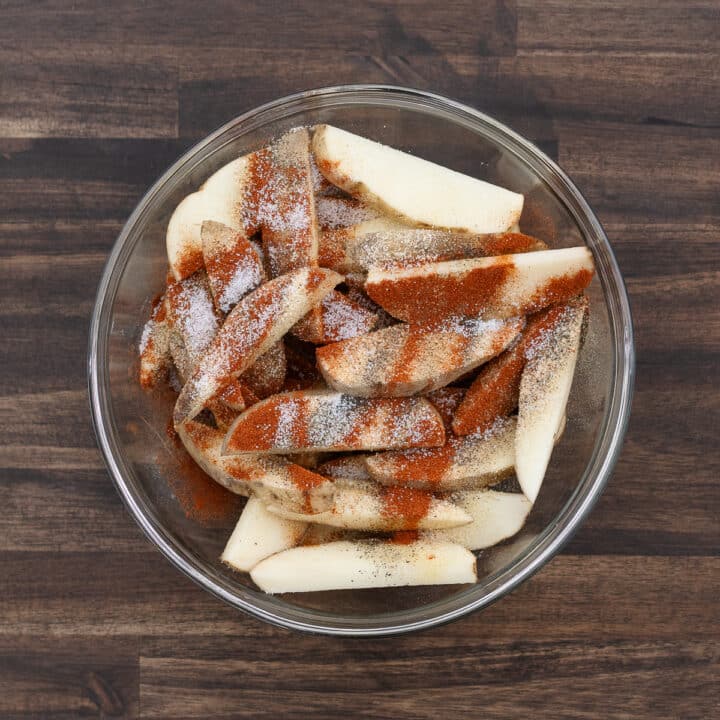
97, 99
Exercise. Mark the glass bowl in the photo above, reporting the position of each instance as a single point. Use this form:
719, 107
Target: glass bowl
131, 424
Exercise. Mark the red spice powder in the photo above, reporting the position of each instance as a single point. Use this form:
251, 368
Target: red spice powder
257, 433
509, 243
422, 466
540, 323
433, 298
315, 279
159, 310
408, 505
190, 261
559, 290
300, 426
201, 498
329, 168
494, 393
456, 348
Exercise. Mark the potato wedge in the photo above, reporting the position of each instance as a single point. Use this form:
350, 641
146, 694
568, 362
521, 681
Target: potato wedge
415, 190
404, 360
336, 246
461, 464
259, 534
494, 287
496, 516
191, 313
348, 565
282, 203
544, 391
329, 421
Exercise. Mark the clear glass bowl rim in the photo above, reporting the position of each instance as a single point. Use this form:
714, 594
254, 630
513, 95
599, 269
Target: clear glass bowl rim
597, 472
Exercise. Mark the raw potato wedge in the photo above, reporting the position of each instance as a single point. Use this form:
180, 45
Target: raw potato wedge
256, 323
496, 516
283, 203
406, 246
406, 360
363, 505
461, 464
154, 347
221, 198
336, 247
348, 565
544, 390
329, 421
277, 479
339, 319
416, 190
259, 534
494, 287
232, 264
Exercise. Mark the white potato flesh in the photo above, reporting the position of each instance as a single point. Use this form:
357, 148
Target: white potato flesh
348, 565
259, 534
495, 517
416, 190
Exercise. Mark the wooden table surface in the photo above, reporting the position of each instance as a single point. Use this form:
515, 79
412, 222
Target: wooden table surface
96, 99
